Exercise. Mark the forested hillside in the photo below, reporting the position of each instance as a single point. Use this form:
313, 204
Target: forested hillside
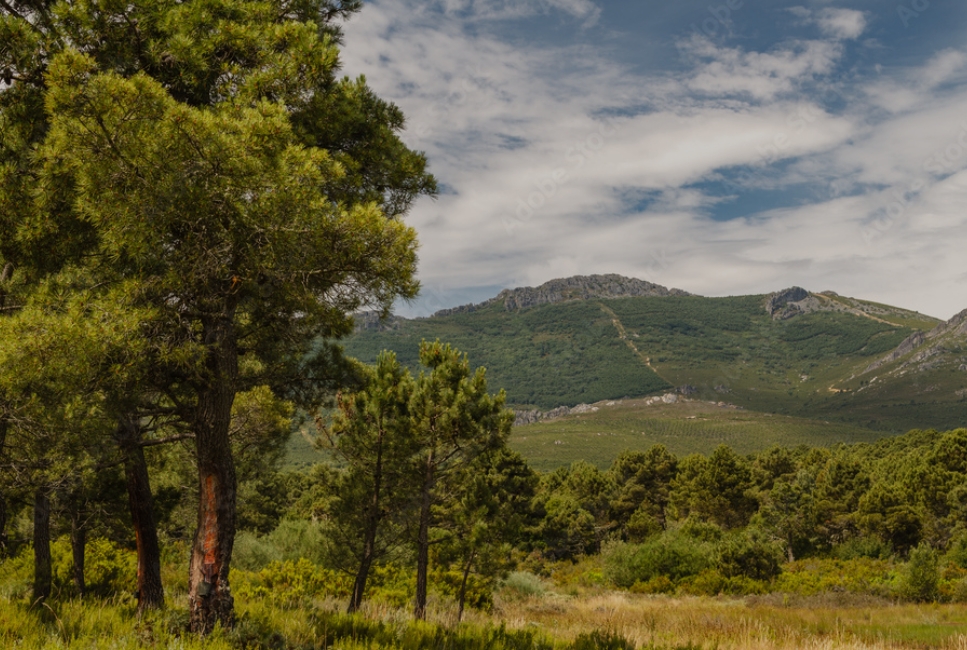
794, 353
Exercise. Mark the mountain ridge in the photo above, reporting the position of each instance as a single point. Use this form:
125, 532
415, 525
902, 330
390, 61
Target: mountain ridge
837, 365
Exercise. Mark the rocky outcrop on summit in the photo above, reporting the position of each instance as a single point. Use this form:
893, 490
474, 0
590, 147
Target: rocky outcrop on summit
583, 287
786, 303
578, 287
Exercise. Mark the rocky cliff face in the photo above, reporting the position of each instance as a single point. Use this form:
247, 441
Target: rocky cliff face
940, 343
787, 303
578, 287
370, 321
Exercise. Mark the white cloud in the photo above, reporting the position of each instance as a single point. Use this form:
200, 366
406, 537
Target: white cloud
762, 75
586, 10
838, 24
846, 24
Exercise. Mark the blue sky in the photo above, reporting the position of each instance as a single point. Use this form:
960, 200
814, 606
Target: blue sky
723, 147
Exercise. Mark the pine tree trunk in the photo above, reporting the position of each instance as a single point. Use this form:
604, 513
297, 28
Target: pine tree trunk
373, 519
3, 500
5, 276
423, 542
3, 527
462, 597
362, 574
42, 566
209, 596
150, 591
78, 550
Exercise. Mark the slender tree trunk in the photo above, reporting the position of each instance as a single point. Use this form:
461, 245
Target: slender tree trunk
78, 550
3, 527
373, 519
462, 596
5, 274
423, 541
362, 574
150, 591
3, 500
42, 566
209, 596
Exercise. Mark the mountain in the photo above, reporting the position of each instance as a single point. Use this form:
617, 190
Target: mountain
793, 352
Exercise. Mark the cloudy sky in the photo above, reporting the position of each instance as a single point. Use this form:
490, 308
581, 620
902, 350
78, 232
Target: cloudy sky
719, 146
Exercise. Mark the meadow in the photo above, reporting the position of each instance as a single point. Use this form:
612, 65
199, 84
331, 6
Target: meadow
570, 609
686, 427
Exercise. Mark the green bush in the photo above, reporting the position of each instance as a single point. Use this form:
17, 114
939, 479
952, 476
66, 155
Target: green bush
857, 547
672, 555
291, 583
522, 584
657, 585
750, 554
815, 576
711, 582
921, 577
957, 552
252, 553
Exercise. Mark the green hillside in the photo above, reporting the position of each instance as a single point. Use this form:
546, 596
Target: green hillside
546, 356
803, 368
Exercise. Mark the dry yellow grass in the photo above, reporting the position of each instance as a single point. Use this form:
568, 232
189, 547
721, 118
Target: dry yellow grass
746, 624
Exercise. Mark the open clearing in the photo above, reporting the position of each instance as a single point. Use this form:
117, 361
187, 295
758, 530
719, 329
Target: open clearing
684, 428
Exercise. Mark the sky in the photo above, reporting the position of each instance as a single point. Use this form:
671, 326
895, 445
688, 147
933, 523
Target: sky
723, 147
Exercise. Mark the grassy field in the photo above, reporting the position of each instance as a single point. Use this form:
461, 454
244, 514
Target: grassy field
549, 617
746, 624
684, 428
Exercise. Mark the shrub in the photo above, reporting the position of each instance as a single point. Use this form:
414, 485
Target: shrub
750, 554
252, 553
815, 576
657, 585
957, 552
522, 584
109, 570
711, 582
921, 578
291, 583
673, 555
391, 584
857, 547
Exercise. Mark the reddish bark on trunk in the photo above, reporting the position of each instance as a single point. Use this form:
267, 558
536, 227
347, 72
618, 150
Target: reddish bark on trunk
209, 596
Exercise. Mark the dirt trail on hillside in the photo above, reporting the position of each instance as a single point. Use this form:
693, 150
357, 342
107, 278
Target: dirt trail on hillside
623, 335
